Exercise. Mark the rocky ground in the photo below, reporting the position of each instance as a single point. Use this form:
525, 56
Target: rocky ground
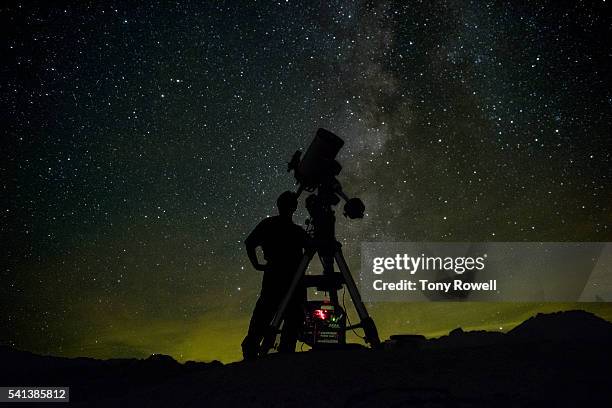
559, 359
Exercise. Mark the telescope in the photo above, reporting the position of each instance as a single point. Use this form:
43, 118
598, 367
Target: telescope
318, 169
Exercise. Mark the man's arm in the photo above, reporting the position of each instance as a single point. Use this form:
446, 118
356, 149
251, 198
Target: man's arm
253, 257
252, 242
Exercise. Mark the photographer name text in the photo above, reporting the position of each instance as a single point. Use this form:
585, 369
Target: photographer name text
426, 285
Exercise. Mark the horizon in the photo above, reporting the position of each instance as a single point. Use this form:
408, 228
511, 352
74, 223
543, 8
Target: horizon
196, 349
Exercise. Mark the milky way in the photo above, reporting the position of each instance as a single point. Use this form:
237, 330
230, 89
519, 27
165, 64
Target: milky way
143, 143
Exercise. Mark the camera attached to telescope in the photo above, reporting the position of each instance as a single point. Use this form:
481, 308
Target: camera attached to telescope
325, 325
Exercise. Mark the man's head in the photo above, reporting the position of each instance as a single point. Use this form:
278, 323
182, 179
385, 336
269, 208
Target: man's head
287, 203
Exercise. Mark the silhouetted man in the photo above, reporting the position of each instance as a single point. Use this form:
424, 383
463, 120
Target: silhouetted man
283, 244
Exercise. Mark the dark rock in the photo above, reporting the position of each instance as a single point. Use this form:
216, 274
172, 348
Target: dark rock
573, 325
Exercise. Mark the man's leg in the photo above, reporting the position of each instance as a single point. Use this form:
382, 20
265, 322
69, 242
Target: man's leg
262, 316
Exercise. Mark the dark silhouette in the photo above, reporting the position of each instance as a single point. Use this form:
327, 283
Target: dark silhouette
315, 172
283, 244
563, 360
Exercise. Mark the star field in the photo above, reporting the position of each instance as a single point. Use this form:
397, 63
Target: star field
142, 143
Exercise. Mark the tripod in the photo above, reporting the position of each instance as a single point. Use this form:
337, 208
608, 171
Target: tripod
323, 220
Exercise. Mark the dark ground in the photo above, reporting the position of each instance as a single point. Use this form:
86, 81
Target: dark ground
560, 359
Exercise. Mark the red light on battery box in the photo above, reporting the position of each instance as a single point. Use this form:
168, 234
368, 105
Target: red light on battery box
321, 314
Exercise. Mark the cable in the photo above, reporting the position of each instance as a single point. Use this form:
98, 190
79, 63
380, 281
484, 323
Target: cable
348, 319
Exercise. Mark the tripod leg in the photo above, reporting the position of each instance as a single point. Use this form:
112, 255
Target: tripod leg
328, 269
268, 341
366, 321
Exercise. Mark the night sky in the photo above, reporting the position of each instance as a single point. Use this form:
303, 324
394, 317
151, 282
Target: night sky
141, 144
